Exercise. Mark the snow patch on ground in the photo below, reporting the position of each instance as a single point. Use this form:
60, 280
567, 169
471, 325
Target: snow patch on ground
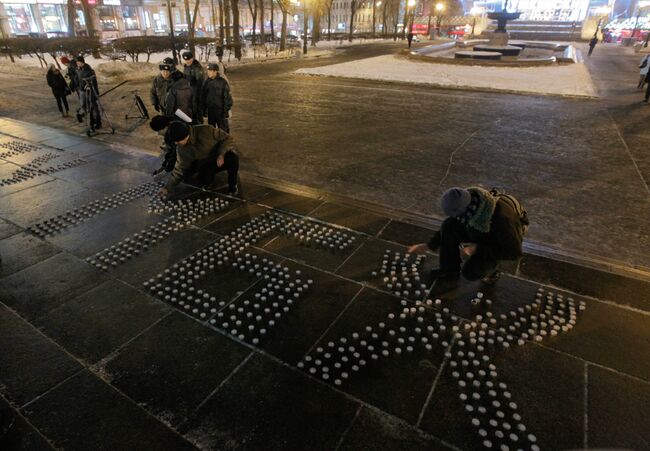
564, 80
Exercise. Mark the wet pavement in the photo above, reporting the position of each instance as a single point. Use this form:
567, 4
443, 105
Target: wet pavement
285, 320
581, 167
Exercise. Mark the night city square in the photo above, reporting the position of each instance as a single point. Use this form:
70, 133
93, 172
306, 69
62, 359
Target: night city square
324, 225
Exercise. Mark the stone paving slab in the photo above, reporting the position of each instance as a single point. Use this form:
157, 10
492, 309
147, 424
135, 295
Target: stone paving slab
270, 324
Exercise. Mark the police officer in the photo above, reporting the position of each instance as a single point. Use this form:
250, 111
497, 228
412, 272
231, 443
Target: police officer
216, 99
161, 84
86, 81
179, 96
193, 72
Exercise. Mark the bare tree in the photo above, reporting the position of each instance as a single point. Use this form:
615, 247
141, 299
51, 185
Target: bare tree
88, 18
192, 26
272, 28
71, 18
284, 7
354, 6
235, 31
252, 6
328, 7
226, 21
374, 14
262, 36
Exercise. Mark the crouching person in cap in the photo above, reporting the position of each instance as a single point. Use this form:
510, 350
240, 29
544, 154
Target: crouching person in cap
202, 151
485, 226
216, 98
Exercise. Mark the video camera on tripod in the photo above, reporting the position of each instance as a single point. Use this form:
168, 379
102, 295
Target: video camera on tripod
138, 104
92, 109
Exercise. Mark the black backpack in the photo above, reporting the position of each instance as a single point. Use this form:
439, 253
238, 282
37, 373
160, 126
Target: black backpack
516, 206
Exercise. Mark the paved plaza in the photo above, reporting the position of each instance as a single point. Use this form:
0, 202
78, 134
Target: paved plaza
280, 321
290, 317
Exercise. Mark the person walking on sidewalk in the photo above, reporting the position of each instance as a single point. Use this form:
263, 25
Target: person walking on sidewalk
60, 89
643, 71
202, 151
216, 99
485, 226
592, 43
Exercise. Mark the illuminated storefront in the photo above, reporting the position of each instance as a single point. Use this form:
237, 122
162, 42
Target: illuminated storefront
31, 17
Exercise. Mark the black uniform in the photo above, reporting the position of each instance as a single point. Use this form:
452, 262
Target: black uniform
216, 102
179, 96
59, 89
195, 76
72, 75
86, 78
158, 92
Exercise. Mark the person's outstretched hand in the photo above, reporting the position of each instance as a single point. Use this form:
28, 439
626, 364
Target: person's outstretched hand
162, 192
220, 161
419, 248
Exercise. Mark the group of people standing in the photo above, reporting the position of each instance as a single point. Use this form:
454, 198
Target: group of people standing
192, 92
82, 81
194, 152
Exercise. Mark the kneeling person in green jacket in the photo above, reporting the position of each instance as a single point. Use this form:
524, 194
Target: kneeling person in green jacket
202, 151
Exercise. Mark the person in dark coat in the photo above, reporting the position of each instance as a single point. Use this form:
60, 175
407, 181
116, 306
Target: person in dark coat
592, 43
485, 227
59, 87
193, 72
179, 96
89, 92
202, 151
71, 74
158, 124
216, 99
160, 85
647, 90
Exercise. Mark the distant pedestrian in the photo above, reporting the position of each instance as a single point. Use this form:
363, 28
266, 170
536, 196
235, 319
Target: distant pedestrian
89, 93
592, 43
71, 65
643, 71
483, 226
202, 151
215, 97
60, 89
409, 38
193, 72
160, 85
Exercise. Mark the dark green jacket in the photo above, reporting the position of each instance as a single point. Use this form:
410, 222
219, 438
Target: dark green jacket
206, 142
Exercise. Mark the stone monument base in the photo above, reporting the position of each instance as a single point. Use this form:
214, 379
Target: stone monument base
499, 38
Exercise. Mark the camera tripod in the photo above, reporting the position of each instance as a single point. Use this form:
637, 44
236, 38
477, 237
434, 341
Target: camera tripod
139, 105
92, 109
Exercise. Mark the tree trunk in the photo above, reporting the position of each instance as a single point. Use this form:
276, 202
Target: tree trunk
283, 31
305, 26
315, 33
235, 31
188, 20
192, 26
396, 21
384, 28
88, 18
272, 28
374, 13
353, 10
222, 31
227, 21
72, 9
405, 21
253, 9
262, 37
329, 22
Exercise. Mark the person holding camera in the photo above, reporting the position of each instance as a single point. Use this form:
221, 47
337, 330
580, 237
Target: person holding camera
89, 93
202, 151
193, 72
60, 89
161, 84
216, 99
